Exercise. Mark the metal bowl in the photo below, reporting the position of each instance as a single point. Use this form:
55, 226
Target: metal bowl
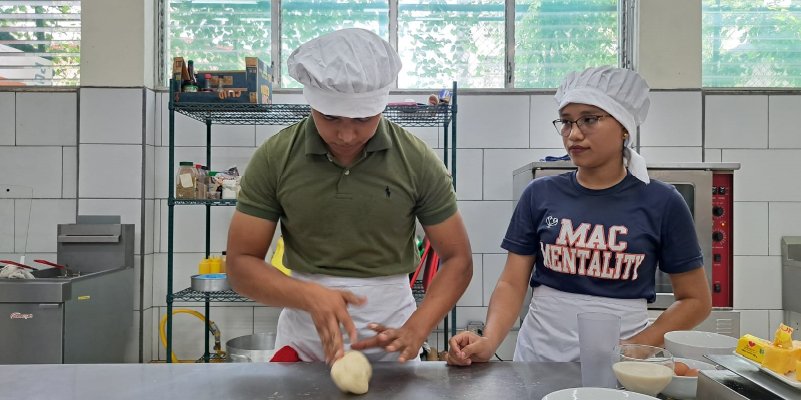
210, 282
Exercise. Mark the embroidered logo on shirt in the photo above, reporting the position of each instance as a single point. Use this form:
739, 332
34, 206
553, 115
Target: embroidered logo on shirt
551, 221
388, 193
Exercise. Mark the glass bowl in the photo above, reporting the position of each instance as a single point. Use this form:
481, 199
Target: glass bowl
643, 369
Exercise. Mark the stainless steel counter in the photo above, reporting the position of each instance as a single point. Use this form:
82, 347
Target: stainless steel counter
741, 380
422, 380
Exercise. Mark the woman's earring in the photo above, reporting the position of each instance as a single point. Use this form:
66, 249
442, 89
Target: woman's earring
625, 135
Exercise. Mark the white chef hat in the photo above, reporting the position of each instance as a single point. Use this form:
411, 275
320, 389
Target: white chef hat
622, 93
347, 73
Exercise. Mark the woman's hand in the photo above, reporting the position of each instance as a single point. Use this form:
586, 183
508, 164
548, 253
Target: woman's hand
467, 347
329, 309
405, 340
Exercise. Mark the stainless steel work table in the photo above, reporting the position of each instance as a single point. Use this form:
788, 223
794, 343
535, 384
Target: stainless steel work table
434, 380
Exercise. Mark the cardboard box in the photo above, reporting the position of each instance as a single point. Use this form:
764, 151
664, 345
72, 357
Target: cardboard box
252, 85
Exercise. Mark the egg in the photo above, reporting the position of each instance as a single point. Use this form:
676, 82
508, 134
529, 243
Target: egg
692, 372
680, 368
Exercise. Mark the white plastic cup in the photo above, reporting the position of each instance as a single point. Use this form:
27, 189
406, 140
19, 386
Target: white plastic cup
599, 333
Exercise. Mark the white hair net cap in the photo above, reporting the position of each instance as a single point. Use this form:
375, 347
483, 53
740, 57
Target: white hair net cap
347, 73
622, 93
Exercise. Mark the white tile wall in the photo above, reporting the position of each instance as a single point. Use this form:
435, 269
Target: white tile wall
542, 132
674, 119
144, 269
506, 350
467, 314
469, 174
782, 110
785, 220
110, 171
150, 226
69, 172
151, 118
755, 322
757, 282
751, 224
493, 122
264, 132
190, 227
131, 354
486, 223
671, 154
111, 116
736, 122
46, 119
190, 132
150, 172
766, 175
713, 155
188, 330
130, 212
7, 115
45, 215
499, 164
473, 295
6, 229
37, 167
776, 317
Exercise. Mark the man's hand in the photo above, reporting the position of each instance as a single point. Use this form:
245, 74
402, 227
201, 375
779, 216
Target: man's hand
467, 347
329, 309
405, 340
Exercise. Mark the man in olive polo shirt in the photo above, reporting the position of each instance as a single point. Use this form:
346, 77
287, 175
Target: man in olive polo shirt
347, 186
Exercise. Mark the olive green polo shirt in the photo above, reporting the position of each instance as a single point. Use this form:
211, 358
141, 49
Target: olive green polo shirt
353, 222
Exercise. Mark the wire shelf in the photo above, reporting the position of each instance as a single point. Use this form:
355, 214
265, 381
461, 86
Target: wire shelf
419, 115
210, 202
222, 296
213, 358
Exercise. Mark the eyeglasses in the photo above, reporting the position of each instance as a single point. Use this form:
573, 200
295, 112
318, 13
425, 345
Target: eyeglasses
586, 124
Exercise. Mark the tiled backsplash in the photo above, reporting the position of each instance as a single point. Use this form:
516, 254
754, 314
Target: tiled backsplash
120, 167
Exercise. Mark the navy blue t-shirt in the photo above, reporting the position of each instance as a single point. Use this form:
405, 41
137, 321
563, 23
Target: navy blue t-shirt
605, 242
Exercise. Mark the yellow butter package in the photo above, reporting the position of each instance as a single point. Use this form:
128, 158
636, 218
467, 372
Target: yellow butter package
783, 337
752, 348
781, 360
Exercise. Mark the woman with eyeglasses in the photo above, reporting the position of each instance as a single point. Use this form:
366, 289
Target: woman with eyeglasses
591, 240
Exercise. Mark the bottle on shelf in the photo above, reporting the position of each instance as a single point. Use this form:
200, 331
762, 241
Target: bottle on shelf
202, 180
222, 262
186, 181
190, 85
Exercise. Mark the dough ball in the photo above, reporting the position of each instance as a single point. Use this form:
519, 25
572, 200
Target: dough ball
352, 372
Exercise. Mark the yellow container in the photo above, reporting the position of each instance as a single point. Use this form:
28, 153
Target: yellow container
216, 265
752, 348
204, 267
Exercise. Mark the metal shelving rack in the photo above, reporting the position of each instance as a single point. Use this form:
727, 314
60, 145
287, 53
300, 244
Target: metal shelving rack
274, 114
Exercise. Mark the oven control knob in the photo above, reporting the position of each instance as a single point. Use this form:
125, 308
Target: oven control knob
717, 211
717, 236
722, 190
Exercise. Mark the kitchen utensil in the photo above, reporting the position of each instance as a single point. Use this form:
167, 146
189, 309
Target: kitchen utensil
643, 369
210, 282
591, 393
258, 347
9, 262
599, 333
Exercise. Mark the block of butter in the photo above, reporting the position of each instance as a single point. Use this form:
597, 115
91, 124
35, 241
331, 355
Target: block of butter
783, 337
752, 348
781, 360
798, 371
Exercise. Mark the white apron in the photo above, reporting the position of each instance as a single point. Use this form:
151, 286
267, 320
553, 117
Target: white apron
389, 302
549, 331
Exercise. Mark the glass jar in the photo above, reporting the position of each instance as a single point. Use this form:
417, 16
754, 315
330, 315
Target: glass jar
186, 181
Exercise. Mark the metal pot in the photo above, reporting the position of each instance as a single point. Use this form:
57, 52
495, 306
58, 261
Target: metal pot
258, 347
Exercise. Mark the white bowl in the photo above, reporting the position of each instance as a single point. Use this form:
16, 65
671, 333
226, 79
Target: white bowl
593, 393
694, 344
685, 387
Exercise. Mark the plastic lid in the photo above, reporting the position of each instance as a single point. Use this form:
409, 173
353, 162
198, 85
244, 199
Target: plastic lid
212, 173
185, 163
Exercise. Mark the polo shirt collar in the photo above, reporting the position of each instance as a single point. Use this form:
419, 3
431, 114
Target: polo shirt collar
315, 144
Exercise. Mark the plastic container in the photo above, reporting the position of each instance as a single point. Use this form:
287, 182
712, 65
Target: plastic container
186, 181
204, 267
215, 265
229, 189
